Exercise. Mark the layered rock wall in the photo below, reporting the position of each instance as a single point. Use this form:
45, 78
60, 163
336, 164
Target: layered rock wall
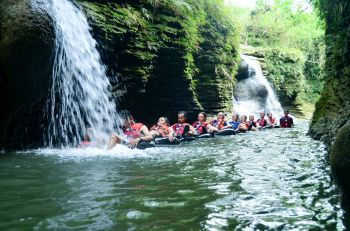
330, 120
167, 57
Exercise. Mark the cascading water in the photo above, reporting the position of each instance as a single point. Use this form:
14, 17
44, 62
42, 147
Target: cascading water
255, 94
80, 88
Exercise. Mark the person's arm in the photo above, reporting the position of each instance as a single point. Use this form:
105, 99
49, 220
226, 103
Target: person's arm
192, 130
171, 135
147, 137
229, 125
226, 125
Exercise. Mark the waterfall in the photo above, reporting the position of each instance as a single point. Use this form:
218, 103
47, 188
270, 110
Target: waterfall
255, 94
80, 94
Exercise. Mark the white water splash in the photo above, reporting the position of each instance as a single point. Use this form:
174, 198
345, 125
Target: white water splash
80, 88
255, 93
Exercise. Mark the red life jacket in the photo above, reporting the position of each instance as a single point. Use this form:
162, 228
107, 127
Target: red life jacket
163, 130
179, 128
199, 126
262, 122
134, 131
286, 122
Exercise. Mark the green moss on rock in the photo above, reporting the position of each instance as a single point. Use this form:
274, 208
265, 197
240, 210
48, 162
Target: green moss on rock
168, 55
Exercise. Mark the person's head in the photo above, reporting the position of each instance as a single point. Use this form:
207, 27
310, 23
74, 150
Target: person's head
202, 117
182, 117
262, 114
221, 116
126, 118
286, 112
251, 118
269, 115
235, 117
243, 118
163, 121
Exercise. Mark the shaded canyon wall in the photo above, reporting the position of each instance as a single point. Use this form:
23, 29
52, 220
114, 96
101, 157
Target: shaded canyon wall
330, 122
163, 57
26, 58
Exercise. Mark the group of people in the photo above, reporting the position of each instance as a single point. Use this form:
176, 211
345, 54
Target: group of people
134, 133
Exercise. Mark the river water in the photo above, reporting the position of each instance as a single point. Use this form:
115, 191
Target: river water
270, 180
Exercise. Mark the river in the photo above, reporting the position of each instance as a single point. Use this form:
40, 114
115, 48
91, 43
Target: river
270, 180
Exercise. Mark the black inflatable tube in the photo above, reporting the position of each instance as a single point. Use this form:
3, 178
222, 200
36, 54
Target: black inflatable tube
226, 132
166, 141
144, 144
204, 136
188, 139
270, 127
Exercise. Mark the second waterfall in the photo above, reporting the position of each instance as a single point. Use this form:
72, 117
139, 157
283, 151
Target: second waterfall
255, 94
80, 88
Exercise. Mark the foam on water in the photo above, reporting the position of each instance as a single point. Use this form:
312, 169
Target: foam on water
119, 151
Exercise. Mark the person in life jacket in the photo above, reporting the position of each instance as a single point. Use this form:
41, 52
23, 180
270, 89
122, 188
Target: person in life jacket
201, 124
243, 126
133, 133
163, 129
272, 122
286, 121
262, 122
218, 124
235, 123
182, 128
252, 125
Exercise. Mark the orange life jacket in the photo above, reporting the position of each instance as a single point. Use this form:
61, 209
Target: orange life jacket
163, 130
218, 124
272, 121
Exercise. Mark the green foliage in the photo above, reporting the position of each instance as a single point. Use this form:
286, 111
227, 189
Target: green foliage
286, 70
293, 40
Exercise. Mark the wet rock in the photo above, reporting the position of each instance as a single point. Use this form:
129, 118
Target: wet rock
330, 119
340, 160
244, 72
26, 57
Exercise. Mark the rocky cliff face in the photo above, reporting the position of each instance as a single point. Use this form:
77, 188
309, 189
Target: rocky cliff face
161, 57
26, 56
330, 120
167, 57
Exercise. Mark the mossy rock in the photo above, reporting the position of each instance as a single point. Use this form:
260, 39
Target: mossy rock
26, 59
340, 160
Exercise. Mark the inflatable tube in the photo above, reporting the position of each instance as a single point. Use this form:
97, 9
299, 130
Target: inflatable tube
204, 136
270, 127
226, 132
187, 139
166, 141
145, 144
